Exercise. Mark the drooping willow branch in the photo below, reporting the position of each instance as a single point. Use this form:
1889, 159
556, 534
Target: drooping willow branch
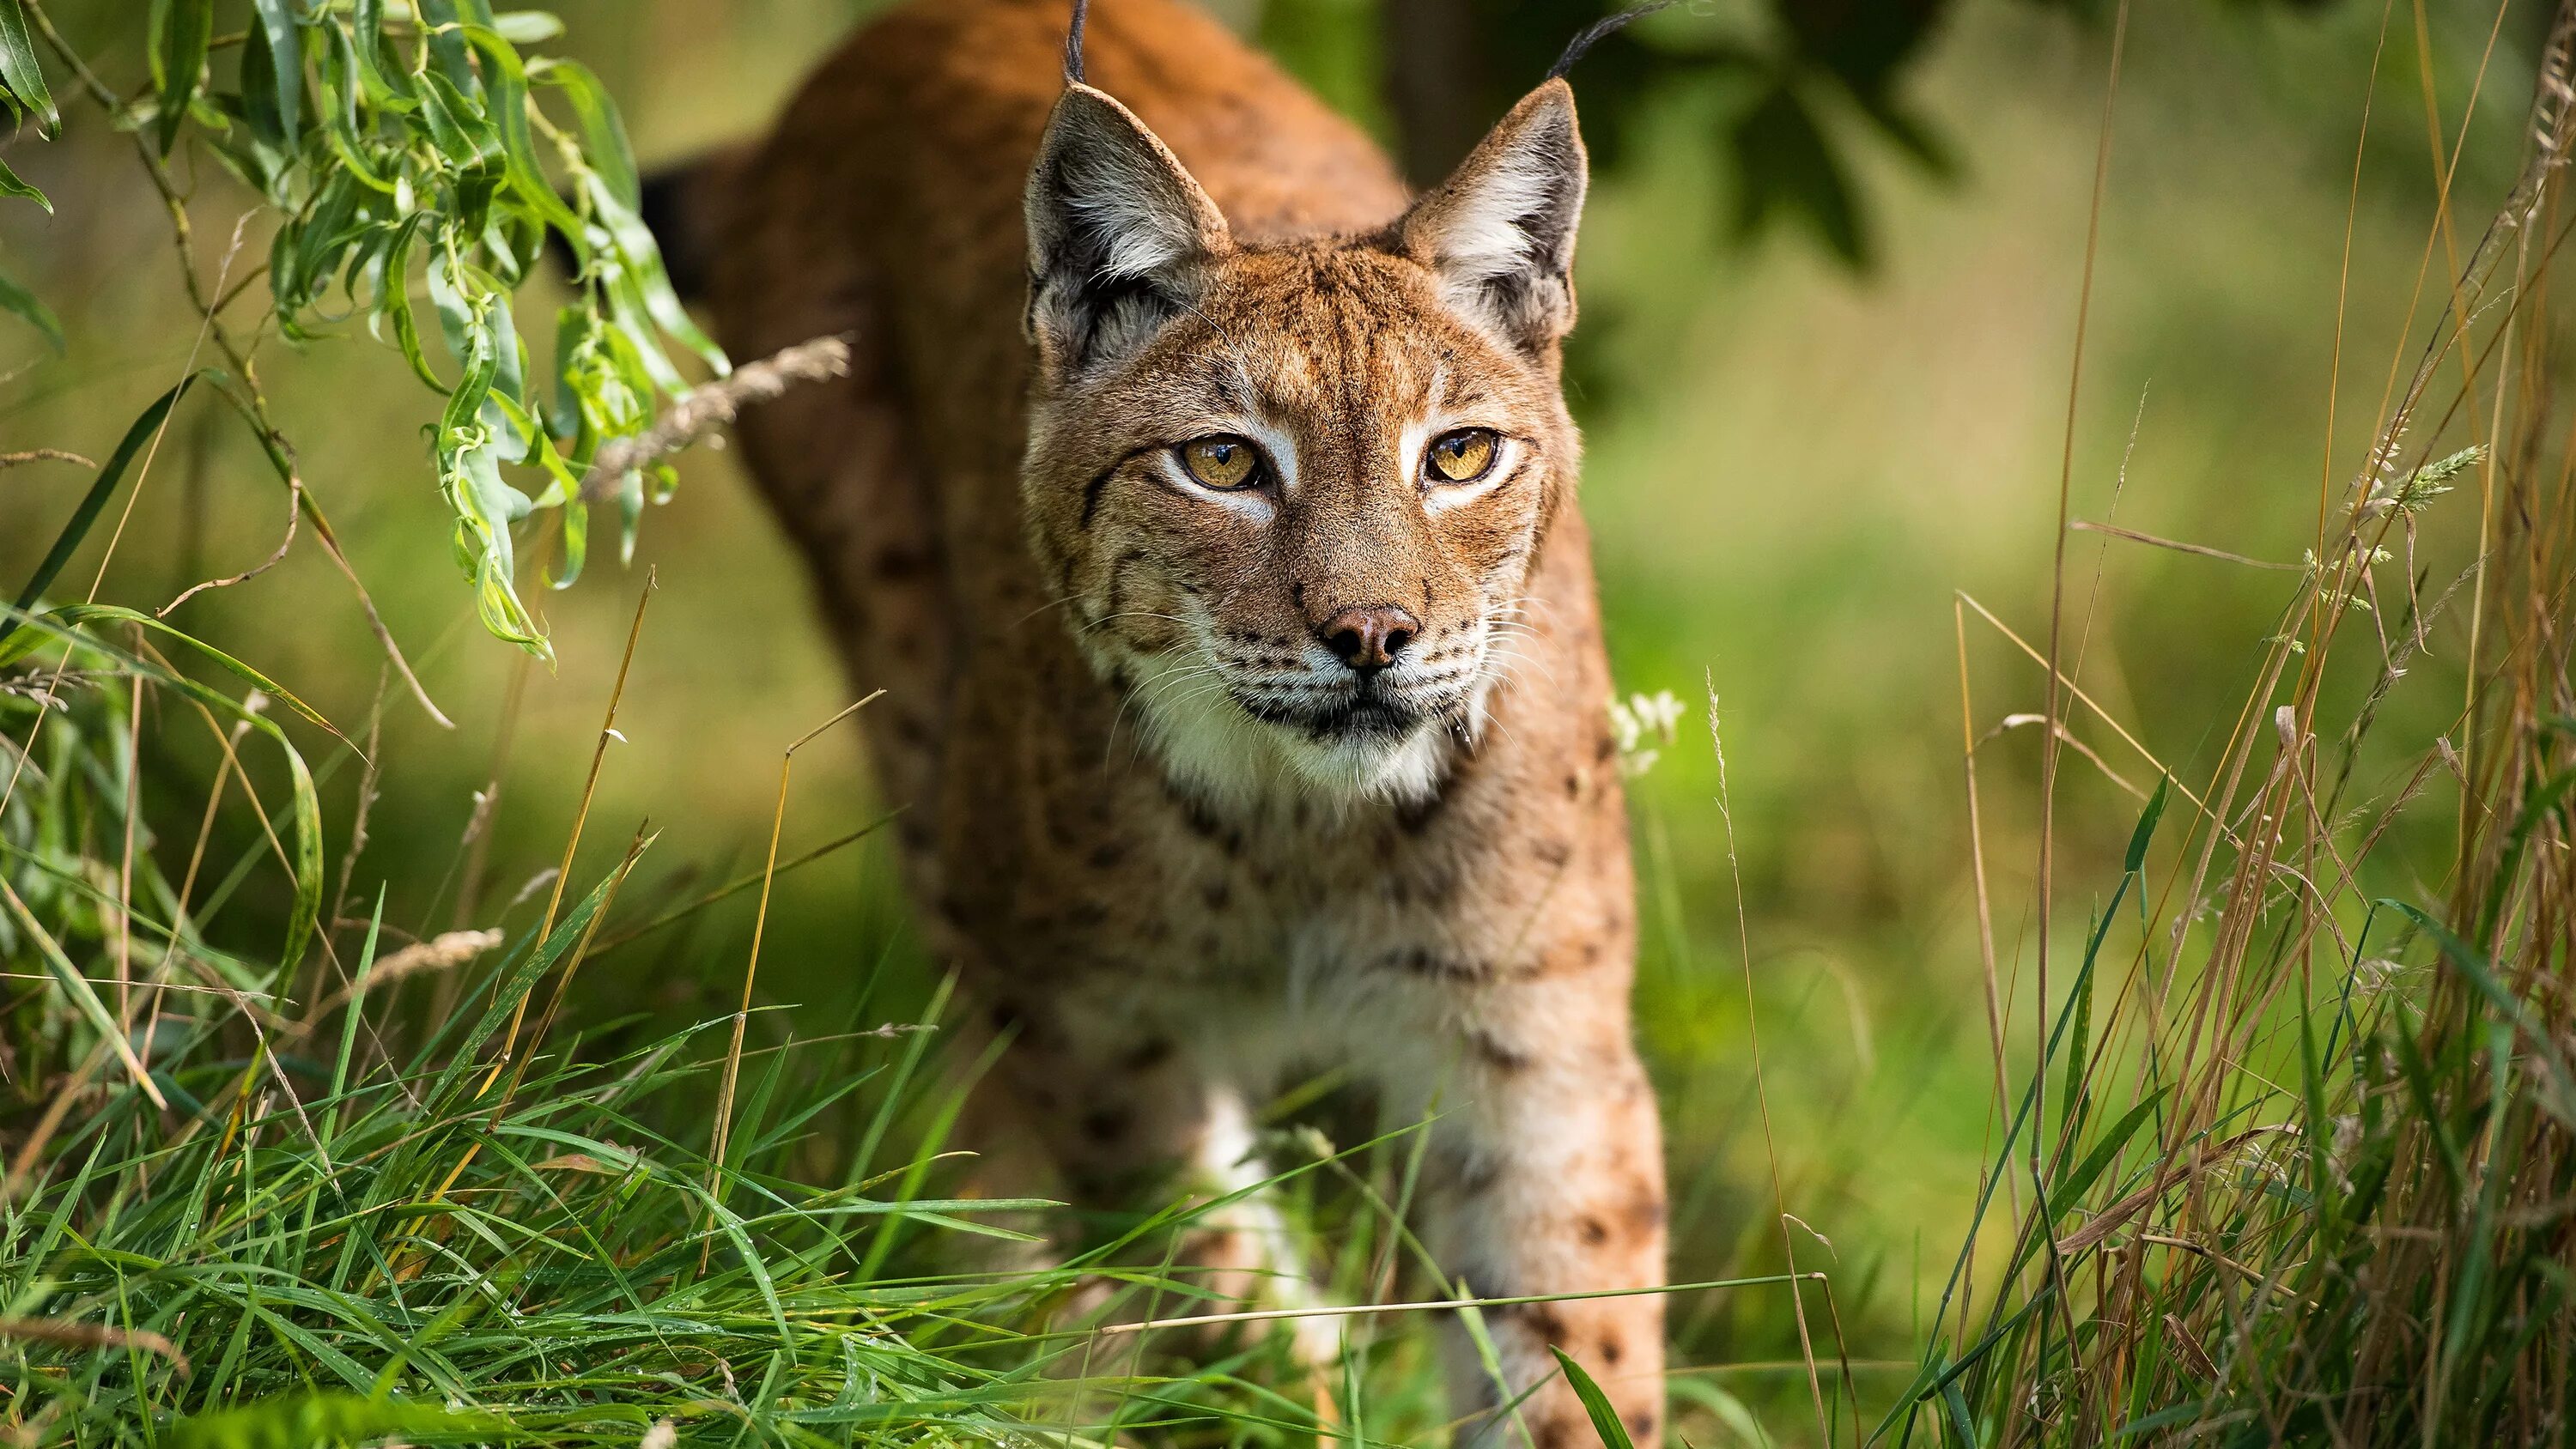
411, 168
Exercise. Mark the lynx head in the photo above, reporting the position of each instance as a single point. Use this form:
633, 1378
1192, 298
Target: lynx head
1291, 492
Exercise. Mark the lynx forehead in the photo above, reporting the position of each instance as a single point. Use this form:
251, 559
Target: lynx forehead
1206, 505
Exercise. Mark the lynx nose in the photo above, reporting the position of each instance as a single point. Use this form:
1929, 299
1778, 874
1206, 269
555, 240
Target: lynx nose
1369, 639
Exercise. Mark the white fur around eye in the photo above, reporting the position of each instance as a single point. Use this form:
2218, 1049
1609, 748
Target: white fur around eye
1440, 495
1278, 448
1278, 454
1251, 502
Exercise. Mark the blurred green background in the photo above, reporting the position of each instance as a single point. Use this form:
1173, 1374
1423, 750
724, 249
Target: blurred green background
1794, 462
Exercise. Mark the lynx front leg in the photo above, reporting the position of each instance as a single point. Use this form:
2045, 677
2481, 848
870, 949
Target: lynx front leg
1551, 1180
1129, 1118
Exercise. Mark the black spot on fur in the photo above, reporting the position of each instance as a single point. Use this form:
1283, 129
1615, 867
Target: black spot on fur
1644, 1212
1543, 1320
1208, 826
1202, 821
1106, 1124
1553, 853
1418, 961
1490, 1050
1416, 817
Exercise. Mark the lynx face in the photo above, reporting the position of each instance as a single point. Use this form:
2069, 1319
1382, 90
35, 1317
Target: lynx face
1291, 493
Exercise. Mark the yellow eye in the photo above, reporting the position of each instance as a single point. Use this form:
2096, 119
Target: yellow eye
1463, 456
1222, 462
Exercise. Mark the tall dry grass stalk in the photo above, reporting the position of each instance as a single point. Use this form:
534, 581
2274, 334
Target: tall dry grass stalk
2293, 1157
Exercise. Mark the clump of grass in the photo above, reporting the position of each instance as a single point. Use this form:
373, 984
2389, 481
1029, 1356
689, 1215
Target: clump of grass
241, 1207
2294, 1158
381, 1243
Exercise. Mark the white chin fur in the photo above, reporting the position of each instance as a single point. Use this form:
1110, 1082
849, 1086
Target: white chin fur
1210, 747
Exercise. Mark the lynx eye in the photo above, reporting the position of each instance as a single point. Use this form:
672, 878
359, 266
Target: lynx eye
1223, 462
1463, 456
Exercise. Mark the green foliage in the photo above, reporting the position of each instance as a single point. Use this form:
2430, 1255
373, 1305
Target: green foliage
1335, 48
24, 96
23, 92
1812, 89
409, 146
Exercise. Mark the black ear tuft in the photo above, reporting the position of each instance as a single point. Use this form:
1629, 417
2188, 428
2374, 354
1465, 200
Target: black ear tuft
1073, 43
1119, 234
1499, 232
1584, 39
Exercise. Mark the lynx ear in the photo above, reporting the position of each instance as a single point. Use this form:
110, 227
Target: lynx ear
1500, 231
1119, 235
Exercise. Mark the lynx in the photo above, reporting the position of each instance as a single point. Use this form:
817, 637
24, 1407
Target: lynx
1206, 504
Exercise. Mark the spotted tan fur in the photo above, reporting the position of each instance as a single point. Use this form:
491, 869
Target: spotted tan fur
1173, 842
